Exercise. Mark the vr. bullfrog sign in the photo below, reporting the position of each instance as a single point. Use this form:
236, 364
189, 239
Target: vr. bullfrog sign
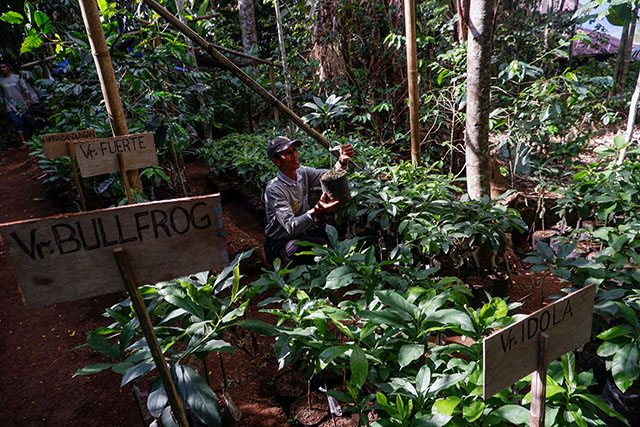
69, 257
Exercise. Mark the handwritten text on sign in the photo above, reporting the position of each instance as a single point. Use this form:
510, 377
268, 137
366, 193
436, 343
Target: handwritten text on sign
54, 145
70, 257
100, 156
512, 353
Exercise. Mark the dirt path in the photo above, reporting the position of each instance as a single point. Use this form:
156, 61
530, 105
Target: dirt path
37, 344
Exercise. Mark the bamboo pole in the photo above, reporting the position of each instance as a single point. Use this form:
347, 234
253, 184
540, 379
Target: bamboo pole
123, 171
147, 329
244, 77
76, 178
539, 384
244, 55
110, 92
412, 77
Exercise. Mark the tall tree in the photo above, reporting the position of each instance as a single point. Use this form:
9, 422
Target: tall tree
247, 24
478, 160
326, 49
629, 47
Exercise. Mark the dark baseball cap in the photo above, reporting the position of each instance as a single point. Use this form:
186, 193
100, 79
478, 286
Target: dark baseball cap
279, 144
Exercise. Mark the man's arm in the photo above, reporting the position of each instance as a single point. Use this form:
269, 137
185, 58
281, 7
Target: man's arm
292, 224
25, 91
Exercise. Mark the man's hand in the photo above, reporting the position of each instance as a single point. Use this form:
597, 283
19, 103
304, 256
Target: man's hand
346, 153
324, 205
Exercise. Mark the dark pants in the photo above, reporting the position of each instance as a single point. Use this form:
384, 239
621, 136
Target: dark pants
287, 249
20, 120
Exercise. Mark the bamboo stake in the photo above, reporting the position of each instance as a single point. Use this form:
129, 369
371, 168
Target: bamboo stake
244, 77
123, 171
539, 385
149, 334
412, 76
107, 77
83, 203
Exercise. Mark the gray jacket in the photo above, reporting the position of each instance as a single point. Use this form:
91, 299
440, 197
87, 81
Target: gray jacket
287, 202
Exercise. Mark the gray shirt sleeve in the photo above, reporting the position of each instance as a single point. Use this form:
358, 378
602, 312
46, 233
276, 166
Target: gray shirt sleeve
278, 204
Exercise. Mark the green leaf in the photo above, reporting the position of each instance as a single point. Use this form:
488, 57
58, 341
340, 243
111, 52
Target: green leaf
598, 402
514, 414
157, 399
100, 344
408, 353
93, 369
185, 304
43, 21
397, 302
103, 5
384, 317
359, 366
624, 366
263, 328
340, 277
615, 332
423, 380
446, 406
196, 392
137, 372
545, 250
12, 17
31, 42
473, 411
328, 354
450, 316
216, 345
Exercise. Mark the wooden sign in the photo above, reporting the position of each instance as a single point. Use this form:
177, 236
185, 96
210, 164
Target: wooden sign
54, 145
512, 353
69, 257
100, 156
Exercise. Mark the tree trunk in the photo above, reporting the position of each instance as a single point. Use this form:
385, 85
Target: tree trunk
631, 120
629, 48
619, 60
247, 25
573, 30
478, 160
326, 47
283, 54
189, 43
462, 7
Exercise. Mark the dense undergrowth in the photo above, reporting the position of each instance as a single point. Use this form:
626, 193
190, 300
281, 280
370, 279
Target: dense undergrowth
380, 302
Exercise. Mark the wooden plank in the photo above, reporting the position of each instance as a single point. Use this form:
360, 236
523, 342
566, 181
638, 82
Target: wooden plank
54, 145
69, 257
100, 156
512, 353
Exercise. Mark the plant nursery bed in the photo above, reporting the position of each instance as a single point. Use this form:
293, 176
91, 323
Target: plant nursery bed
40, 347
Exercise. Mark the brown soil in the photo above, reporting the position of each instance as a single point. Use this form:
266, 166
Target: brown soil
38, 345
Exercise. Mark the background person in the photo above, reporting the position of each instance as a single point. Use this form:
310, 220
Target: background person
36, 110
16, 100
290, 218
